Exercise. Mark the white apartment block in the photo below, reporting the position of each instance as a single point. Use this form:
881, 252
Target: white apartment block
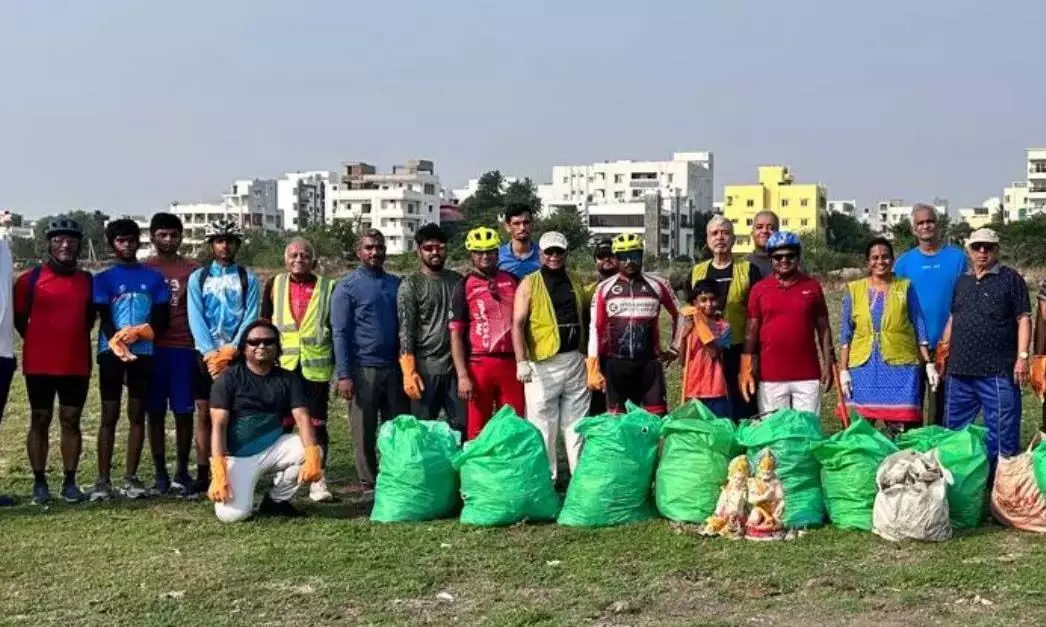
145, 243
301, 198
1036, 162
460, 194
895, 211
655, 198
195, 218
849, 208
397, 203
1015, 201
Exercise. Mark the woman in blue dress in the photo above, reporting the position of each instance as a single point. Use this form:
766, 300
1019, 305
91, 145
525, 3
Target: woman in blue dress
884, 345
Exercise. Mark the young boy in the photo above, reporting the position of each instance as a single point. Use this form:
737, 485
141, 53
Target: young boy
707, 335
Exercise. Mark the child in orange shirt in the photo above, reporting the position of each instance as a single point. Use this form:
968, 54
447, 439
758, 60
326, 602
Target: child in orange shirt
707, 336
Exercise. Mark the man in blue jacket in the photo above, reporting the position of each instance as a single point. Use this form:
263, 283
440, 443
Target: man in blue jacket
366, 350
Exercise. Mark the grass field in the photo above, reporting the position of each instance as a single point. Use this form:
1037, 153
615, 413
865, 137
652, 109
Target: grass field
171, 562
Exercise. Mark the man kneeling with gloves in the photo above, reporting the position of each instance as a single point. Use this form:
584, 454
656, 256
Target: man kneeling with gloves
248, 403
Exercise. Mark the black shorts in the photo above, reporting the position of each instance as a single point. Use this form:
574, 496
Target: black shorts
42, 389
642, 382
318, 395
114, 373
202, 381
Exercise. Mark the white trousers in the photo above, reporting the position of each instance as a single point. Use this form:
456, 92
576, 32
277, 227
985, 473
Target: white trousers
557, 397
802, 395
284, 458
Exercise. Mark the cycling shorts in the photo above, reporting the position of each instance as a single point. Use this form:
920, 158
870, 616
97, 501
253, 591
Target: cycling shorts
42, 389
114, 373
642, 382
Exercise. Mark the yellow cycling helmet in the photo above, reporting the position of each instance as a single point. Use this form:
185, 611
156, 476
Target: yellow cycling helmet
482, 239
626, 243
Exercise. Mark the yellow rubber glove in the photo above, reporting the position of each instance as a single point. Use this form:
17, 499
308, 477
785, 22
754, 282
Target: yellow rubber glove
412, 384
746, 380
596, 381
312, 469
219, 492
1037, 375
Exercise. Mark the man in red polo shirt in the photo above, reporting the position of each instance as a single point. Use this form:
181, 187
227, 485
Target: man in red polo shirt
787, 320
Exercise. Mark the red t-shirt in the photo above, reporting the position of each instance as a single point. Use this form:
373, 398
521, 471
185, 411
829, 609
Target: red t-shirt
787, 318
300, 295
176, 274
482, 309
58, 337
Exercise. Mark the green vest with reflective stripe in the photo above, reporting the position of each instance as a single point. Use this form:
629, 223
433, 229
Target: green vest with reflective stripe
310, 342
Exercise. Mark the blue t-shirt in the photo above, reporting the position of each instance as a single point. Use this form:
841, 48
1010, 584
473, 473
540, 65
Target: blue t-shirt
934, 278
509, 262
130, 291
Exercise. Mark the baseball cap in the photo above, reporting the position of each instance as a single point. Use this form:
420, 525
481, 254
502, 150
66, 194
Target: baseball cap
552, 239
983, 236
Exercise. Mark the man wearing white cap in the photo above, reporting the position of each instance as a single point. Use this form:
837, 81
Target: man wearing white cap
548, 337
987, 363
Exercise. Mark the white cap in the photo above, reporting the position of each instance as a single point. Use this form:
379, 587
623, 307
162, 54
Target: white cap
983, 236
552, 239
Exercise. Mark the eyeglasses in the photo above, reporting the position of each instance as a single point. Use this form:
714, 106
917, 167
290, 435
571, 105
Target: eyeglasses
635, 256
262, 341
982, 247
555, 252
784, 256
603, 255
434, 248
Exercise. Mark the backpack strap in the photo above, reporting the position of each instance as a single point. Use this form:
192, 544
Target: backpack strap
34, 278
240, 270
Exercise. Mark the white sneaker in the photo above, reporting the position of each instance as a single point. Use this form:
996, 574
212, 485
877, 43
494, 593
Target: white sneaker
319, 493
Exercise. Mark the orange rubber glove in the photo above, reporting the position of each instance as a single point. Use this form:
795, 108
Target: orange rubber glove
412, 384
312, 469
1037, 375
746, 380
940, 358
596, 382
223, 357
219, 492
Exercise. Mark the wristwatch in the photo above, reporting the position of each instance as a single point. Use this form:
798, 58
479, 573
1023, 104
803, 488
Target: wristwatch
1023, 354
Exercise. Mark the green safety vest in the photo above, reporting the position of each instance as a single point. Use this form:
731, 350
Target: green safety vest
309, 343
735, 310
896, 336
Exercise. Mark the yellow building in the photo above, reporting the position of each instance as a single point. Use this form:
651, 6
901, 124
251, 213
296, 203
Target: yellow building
801, 208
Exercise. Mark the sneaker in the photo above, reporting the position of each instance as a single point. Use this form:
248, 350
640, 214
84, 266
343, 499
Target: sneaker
41, 493
199, 487
71, 492
102, 491
182, 486
162, 485
319, 493
270, 507
133, 488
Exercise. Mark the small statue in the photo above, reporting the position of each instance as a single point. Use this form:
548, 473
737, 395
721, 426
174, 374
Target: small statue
766, 498
729, 518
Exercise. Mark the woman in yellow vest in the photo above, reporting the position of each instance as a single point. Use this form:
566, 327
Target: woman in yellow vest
884, 345
735, 279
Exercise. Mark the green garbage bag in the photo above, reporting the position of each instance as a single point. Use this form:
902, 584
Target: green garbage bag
697, 448
788, 433
611, 484
504, 474
849, 461
1038, 461
416, 478
965, 455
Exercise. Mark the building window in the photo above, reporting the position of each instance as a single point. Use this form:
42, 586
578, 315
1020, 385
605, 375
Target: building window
365, 209
749, 221
670, 178
804, 202
804, 222
619, 195
784, 222
784, 203
430, 189
565, 180
430, 208
749, 203
619, 178
637, 193
615, 220
644, 176
729, 201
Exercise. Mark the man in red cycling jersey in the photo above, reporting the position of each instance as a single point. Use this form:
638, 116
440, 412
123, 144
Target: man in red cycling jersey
626, 309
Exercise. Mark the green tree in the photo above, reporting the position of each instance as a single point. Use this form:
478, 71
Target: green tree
901, 236
483, 207
847, 234
334, 242
521, 194
570, 224
959, 232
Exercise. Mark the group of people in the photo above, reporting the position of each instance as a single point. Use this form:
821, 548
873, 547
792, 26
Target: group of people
256, 362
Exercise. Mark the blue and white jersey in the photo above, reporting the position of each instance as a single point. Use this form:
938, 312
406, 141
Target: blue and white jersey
218, 310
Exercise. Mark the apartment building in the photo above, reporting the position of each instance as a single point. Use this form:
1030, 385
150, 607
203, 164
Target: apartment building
802, 208
1036, 167
301, 198
894, 211
849, 208
976, 217
1015, 201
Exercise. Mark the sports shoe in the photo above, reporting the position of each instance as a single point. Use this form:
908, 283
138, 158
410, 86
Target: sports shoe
319, 493
270, 507
133, 488
102, 491
71, 492
162, 485
200, 487
182, 485
41, 493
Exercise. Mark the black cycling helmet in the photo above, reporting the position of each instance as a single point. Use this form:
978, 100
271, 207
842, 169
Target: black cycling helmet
64, 226
602, 246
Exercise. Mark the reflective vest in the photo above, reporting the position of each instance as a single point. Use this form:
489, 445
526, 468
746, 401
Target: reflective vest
310, 342
735, 310
896, 336
542, 326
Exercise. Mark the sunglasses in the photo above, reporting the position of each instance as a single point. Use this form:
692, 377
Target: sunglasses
784, 257
983, 247
434, 248
603, 255
262, 341
636, 256
555, 252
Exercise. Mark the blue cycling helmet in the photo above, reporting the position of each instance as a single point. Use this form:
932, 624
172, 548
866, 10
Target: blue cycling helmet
783, 239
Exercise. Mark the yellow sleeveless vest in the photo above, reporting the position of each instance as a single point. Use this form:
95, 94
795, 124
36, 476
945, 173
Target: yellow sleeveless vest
735, 310
542, 327
896, 336
309, 344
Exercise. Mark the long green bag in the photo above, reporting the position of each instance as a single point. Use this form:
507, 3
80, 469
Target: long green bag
1038, 460
788, 433
504, 474
611, 484
965, 455
416, 478
697, 449
849, 461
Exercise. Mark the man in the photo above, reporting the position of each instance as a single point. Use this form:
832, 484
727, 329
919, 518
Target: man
764, 225
787, 320
248, 403
223, 300
366, 350
54, 313
132, 302
481, 334
175, 374
934, 269
987, 363
423, 305
519, 256
734, 280
625, 333
606, 267
7, 327
298, 303
547, 339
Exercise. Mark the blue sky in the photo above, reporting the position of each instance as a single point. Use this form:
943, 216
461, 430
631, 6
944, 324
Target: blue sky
126, 105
